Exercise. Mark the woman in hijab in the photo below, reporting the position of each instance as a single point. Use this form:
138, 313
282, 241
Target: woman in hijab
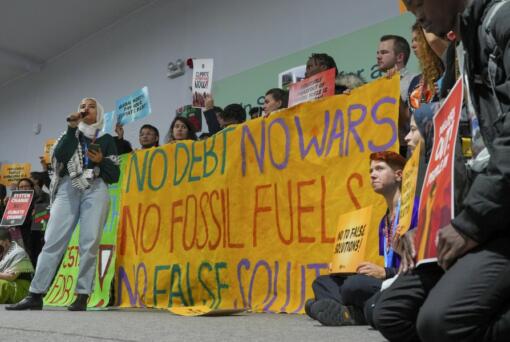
85, 161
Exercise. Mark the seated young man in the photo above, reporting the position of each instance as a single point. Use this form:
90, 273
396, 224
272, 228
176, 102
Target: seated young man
339, 300
15, 270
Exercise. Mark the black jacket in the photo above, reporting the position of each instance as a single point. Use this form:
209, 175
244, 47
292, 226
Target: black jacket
486, 208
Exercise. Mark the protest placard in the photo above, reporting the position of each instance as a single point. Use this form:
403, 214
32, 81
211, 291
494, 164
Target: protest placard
408, 191
201, 86
12, 173
17, 208
47, 149
351, 241
133, 107
311, 88
290, 76
436, 200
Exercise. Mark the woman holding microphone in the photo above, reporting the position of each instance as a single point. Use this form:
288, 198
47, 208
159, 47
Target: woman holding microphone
85, 161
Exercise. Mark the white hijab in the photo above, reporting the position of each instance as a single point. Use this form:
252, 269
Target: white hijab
90, 131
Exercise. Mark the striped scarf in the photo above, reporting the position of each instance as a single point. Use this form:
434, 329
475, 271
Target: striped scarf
74, 168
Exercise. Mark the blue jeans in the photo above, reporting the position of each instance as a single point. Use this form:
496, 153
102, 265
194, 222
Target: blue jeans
90, 208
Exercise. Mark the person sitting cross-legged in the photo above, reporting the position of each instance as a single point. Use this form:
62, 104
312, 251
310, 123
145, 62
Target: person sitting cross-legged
339, 300
15, 270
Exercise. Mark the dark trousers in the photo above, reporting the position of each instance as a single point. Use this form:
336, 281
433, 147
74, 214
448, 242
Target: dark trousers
394, 311
470, 302
347, 290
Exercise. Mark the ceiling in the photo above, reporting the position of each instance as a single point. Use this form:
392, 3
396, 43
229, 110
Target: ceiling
32, 32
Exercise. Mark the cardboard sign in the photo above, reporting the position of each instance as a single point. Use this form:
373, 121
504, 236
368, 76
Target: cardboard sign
17, 208
351, 240
12, 173
436, 201
47, 149
133, 107
408, 192
202, 81
312, 88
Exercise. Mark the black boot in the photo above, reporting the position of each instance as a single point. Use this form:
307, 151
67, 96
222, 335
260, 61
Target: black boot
308, 308
34, 301
80, 304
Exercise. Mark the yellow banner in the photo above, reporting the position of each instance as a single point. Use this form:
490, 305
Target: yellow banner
351, 240
247, 218
12, 173
202, 310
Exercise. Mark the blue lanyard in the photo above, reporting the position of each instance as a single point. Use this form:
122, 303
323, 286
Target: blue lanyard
85, 148
393, 229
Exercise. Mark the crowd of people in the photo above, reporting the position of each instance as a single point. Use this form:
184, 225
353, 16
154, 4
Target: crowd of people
464, 296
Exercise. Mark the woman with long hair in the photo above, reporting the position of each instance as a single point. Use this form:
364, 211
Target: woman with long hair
180, 129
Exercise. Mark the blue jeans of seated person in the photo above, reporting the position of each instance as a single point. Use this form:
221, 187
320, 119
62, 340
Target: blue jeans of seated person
352, 290
90, 209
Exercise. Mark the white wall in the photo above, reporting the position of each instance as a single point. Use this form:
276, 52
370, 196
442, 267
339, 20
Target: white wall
135, 52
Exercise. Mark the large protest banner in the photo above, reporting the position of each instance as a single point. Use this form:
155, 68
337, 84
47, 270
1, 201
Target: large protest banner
436, 200
247, 218
61, 291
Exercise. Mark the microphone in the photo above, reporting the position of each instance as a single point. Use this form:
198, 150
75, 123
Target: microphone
82, 115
